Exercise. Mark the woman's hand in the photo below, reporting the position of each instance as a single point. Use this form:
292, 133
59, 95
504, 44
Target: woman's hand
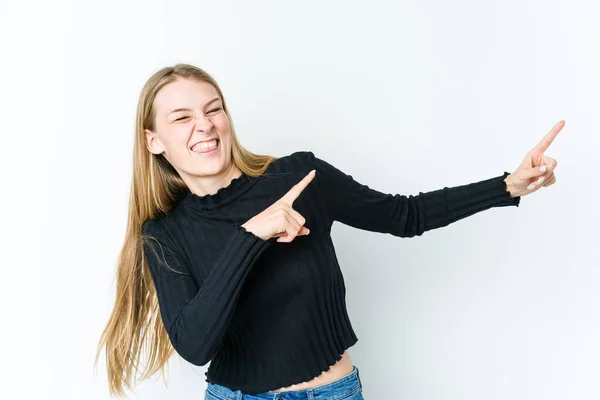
280, 219
536, 170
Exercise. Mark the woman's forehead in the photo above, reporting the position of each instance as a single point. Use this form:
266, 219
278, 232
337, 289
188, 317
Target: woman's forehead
184, 94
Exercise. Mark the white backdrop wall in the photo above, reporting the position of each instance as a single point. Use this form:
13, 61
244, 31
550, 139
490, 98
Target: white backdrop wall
405, 97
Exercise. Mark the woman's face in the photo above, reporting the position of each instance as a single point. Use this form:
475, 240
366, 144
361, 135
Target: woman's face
188, 112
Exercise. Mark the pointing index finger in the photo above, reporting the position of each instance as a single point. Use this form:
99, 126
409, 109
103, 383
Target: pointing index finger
543, 145
297, 189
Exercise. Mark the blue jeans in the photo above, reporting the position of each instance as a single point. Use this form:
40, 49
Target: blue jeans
348, 387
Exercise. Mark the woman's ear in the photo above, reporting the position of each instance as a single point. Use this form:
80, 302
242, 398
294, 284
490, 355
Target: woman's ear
152, 143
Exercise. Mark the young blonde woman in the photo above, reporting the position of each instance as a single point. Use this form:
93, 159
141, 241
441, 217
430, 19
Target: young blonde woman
228, 256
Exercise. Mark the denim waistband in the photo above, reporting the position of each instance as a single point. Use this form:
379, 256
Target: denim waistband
340, 387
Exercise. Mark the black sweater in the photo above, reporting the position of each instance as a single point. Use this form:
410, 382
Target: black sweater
272, 314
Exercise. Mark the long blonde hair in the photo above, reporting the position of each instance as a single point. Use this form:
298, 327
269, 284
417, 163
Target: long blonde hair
135, 321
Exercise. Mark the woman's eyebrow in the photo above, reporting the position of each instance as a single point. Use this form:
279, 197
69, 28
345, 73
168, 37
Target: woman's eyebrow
187, 109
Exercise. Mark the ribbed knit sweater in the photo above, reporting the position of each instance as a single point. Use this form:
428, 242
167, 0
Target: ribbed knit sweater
270, 314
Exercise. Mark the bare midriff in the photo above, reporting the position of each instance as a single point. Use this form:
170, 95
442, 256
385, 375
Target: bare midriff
338, 370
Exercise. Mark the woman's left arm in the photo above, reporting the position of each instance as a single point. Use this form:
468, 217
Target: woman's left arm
360, 206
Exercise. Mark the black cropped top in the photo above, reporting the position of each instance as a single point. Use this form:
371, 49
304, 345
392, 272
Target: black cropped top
270, 314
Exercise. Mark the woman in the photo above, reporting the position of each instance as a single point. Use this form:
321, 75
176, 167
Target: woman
228, 256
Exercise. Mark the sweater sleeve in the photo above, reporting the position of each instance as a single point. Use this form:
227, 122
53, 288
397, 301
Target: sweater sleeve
196, 314
359, 206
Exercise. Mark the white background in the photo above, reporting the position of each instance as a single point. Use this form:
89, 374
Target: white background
405, 97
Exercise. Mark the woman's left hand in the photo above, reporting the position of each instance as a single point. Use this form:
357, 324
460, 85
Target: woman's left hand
536, 170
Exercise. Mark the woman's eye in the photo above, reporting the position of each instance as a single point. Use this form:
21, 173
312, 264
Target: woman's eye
213, 110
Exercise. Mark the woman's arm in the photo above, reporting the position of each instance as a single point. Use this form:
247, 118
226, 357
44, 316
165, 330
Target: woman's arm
196, 314
357, 205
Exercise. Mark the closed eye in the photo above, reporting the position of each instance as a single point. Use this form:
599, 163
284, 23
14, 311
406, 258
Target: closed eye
214, 109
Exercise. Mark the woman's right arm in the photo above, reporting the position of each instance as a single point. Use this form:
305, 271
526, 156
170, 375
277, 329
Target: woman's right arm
196, 314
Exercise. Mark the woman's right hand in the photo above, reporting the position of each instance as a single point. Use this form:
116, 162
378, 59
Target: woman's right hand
280, 219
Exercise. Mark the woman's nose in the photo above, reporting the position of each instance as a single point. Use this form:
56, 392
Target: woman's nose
202, 121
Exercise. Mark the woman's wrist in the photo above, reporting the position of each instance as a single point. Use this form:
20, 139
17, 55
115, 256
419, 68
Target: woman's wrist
510, 188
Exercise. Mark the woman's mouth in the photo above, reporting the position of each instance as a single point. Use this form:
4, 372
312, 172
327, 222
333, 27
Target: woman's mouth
206, 148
